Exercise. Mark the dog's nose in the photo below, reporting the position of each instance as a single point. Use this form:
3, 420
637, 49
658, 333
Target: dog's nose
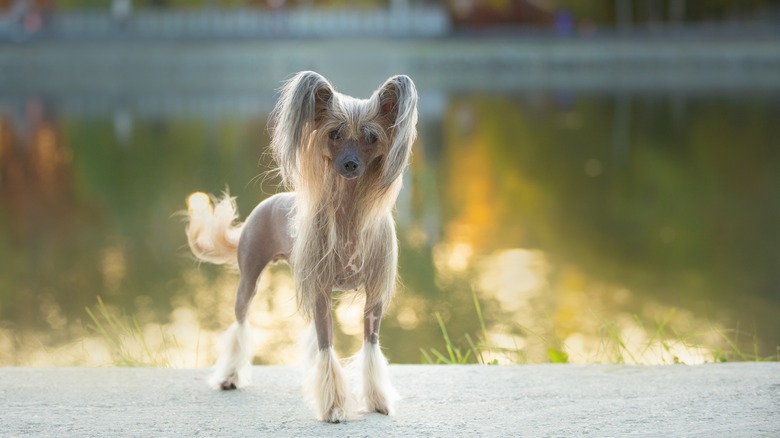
350, 166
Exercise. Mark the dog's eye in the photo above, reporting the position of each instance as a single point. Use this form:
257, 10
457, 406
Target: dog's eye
335, 134
370, 138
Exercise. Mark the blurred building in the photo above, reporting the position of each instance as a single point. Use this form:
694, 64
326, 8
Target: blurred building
215, 19
114, 19
476, 14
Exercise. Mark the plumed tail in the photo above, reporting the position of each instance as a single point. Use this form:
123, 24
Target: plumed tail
213, 230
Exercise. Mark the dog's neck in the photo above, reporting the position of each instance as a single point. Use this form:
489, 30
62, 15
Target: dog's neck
348, 204
351, 207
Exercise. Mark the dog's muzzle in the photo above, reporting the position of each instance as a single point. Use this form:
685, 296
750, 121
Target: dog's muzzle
349, 165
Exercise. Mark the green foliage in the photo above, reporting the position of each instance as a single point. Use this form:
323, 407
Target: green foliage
557, 356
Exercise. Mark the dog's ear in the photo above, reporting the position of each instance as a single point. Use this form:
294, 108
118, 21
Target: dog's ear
302, 102
397, 100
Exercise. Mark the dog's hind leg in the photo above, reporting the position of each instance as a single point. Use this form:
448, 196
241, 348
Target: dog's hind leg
377, 391
264, 238
236, 349
326, 383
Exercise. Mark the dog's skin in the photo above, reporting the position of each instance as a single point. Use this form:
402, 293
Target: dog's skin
343, 159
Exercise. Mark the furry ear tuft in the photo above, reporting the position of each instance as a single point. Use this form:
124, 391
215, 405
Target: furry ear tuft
397, 100
302, 101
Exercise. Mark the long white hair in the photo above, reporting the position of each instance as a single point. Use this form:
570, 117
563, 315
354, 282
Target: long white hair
331, 212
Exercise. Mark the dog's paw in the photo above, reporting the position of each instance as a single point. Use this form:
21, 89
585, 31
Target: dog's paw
382, 409
339, 410
379, 404
336, 415
230, 382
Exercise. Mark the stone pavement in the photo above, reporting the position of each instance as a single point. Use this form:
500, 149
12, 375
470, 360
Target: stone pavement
729, 400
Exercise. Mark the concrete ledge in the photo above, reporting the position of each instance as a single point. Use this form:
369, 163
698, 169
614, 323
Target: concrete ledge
57, 68
532, 400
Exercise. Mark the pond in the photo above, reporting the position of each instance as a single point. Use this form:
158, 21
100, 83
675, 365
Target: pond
589, 226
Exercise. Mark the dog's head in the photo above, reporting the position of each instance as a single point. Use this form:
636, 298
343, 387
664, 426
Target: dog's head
316, 129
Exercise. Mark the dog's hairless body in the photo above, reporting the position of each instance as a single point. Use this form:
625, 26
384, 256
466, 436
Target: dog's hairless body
267, 237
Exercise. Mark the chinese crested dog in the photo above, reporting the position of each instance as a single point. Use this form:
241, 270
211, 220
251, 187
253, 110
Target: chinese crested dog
342, 159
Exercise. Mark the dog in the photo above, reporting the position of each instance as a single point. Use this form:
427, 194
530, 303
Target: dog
342, 160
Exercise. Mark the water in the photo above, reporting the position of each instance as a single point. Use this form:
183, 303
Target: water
579, 219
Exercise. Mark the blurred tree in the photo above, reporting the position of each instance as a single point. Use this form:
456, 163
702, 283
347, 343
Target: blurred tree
680, 216
684, 214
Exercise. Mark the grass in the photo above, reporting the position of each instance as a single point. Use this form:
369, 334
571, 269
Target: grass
454, 354
474, 351
129, 346
127, 341
663, 346
732, 351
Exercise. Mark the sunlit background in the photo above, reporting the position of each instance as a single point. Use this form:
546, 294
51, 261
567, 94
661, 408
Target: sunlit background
593, 181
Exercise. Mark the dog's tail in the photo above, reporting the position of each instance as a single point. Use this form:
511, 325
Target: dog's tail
213, 229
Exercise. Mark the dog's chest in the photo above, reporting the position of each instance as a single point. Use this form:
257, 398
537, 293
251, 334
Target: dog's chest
349, 266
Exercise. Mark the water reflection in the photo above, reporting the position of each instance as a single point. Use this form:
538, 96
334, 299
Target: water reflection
580, 222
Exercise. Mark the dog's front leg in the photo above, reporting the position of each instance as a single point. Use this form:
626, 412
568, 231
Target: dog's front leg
378, 393
326, 383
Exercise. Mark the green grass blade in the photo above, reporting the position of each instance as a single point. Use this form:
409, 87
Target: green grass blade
440, 357
447, 341
427, 359
477, 352
480, 317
